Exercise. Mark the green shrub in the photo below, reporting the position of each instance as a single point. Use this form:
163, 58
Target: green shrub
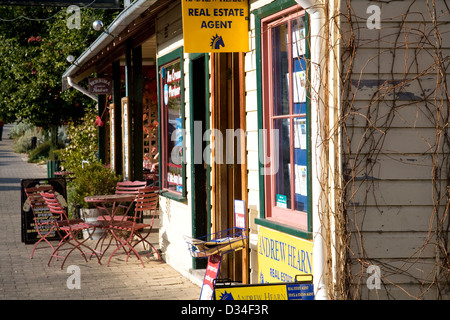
93, 179
22, 143
19, 129
43, 152
83, 143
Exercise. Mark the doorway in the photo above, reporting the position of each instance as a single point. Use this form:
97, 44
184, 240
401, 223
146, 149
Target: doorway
199, 82
229, 181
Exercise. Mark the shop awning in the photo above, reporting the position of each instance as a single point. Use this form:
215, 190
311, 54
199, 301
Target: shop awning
113, 37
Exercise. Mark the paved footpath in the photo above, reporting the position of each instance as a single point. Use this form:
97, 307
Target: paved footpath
24, 278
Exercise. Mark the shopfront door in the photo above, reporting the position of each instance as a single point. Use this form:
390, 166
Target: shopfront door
228, 181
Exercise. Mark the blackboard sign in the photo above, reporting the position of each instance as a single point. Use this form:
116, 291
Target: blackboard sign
29, 233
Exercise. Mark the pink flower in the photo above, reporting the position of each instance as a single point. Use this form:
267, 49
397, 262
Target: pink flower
98, 121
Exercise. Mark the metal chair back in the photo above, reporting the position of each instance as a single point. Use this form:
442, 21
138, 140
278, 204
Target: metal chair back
54, 205
146, 200
129, 186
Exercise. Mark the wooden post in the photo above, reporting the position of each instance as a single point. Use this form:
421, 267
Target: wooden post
138, 134
117, 118
244, 176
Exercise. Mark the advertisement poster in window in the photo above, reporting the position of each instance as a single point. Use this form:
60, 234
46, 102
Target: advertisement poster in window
171, 78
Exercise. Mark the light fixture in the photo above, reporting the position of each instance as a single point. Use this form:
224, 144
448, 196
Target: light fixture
97, 25
71, 59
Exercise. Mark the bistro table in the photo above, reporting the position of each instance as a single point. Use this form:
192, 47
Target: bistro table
107, 206
68, 175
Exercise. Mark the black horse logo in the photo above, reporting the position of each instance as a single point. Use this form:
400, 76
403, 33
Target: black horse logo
217, 42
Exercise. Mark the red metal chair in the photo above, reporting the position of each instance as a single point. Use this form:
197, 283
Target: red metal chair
146, 200
125, 187
70, 228
43, 222
129, 186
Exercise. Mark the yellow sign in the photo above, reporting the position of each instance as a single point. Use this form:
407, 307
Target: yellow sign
215, 25
281, 256
290, 291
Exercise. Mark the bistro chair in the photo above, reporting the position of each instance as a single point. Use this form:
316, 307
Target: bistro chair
125, 187
70, 228
130, 186
43, 222
146, 200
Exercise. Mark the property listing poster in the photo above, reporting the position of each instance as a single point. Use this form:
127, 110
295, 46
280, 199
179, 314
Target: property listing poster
281, 256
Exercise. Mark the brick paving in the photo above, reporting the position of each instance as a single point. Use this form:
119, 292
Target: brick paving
24, 278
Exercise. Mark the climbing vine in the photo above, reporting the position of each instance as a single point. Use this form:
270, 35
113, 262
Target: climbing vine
394, 109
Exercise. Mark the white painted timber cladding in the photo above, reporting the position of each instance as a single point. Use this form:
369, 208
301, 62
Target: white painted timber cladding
391, 206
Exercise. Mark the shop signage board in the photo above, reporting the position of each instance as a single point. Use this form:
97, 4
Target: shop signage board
126, 138
100, 86
104, 4
281, 257
29, 233
239, 214
112, 134
276, 291
212, 270
215, 26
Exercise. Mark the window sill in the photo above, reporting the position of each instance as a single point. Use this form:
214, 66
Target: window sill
288, 229
173, 196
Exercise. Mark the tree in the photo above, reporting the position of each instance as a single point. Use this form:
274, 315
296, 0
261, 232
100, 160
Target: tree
35, 44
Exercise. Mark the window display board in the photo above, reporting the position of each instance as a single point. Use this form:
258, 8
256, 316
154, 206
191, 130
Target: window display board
173, 176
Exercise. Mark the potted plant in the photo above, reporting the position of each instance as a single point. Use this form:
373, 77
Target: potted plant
91, 179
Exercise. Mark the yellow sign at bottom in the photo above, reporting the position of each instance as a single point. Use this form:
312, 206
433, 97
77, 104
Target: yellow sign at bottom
281, 291
281, 257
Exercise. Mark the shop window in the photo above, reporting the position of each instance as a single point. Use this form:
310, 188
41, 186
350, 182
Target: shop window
150, 124
285, 98
171, 113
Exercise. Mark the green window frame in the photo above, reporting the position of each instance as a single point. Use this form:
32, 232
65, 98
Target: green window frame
171, 170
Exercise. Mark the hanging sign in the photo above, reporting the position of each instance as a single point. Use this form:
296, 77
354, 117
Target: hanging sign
215, 26
100, 86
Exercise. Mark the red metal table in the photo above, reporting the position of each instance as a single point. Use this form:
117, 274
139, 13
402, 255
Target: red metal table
107, 206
